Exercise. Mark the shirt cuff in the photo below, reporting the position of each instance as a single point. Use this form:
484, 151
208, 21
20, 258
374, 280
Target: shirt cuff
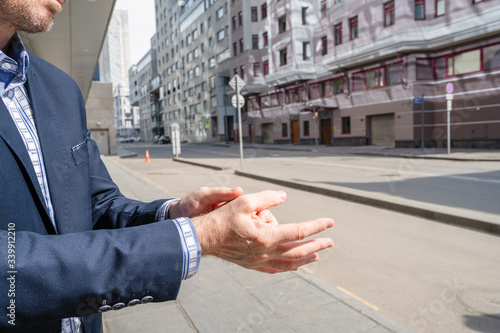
191, 249
162, 213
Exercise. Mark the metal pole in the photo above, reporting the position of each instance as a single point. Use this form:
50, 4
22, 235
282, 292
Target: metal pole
448, 126
239, 122
423, 124
315, 129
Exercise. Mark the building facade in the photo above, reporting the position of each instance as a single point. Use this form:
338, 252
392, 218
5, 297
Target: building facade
347, 72
193, 61
114, 63
145, 84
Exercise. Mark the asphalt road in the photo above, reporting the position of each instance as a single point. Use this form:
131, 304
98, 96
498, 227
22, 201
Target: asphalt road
466, 185
428, 276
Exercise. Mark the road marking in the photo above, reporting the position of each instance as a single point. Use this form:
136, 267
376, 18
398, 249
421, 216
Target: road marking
358, 298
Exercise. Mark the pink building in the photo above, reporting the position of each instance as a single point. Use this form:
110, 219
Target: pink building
348, 72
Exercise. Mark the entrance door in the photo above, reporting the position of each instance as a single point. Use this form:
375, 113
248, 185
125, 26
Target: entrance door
250, 131
382, 129
326, 131
268, 133
295, 132
229, 128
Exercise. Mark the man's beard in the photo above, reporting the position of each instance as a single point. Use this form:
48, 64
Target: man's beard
24, 16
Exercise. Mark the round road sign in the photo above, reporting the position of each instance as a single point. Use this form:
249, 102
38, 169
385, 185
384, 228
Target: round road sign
450, 88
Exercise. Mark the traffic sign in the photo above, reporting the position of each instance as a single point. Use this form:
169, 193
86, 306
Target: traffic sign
237, 82
238, 101
418, 100
449, 97
450, 88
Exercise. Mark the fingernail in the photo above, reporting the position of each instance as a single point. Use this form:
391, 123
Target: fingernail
282, 195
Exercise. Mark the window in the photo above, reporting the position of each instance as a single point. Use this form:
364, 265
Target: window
220, 13
306, 128
346, 125
256, 69
338, 34
374, 78
234, 22
324, 45
283, 57
255, 15
220, 35
296, 95
284, 130
389, 14
323, 9
255, 42
353, 27
242, 46
265, 68
265, 39
240, 18
235, 49
491, 57
440, 8
419, 9
242, 71
378, 77
304, 15
282, 24
306, 50
263, 9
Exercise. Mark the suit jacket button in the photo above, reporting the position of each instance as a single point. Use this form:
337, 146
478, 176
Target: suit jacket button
105, 308
119, 306
147, 299
134, 302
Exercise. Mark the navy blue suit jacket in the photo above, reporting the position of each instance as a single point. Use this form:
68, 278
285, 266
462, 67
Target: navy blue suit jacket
106, 249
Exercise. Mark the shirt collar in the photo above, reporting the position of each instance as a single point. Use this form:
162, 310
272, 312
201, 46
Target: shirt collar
13, 69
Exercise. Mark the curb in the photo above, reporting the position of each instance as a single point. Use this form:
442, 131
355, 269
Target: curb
457, 220
213, 167
428, 157
372, 314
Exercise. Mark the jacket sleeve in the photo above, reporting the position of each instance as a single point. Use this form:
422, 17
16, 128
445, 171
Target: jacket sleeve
47, 277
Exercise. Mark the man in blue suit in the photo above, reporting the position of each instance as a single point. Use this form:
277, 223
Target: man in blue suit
71, 245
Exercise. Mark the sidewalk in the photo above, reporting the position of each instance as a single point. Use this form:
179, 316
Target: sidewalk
226, 298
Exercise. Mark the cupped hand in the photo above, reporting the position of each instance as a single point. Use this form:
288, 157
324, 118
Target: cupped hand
245, 232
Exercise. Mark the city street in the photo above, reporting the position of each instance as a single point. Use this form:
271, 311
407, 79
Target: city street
464, 185
427, 276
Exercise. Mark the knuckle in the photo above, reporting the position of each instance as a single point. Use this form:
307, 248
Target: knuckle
300, 233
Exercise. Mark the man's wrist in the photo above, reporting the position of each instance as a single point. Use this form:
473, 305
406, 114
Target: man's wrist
164, 211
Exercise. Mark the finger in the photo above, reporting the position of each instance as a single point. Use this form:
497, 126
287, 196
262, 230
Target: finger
297, 250
257, 202
267, 217
299, 231
216, 195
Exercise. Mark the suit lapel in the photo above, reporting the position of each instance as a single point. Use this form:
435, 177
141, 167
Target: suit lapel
52, 148
10, 134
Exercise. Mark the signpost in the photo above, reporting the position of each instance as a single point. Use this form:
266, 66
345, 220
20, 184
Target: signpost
420, 100
449, 104
176, 139
238, 102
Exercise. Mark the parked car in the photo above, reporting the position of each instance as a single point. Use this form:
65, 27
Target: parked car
164, 140
155, 139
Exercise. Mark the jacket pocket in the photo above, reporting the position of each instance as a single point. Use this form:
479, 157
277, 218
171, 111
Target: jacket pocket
80, 153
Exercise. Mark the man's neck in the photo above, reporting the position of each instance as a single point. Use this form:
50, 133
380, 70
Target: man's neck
6, 32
